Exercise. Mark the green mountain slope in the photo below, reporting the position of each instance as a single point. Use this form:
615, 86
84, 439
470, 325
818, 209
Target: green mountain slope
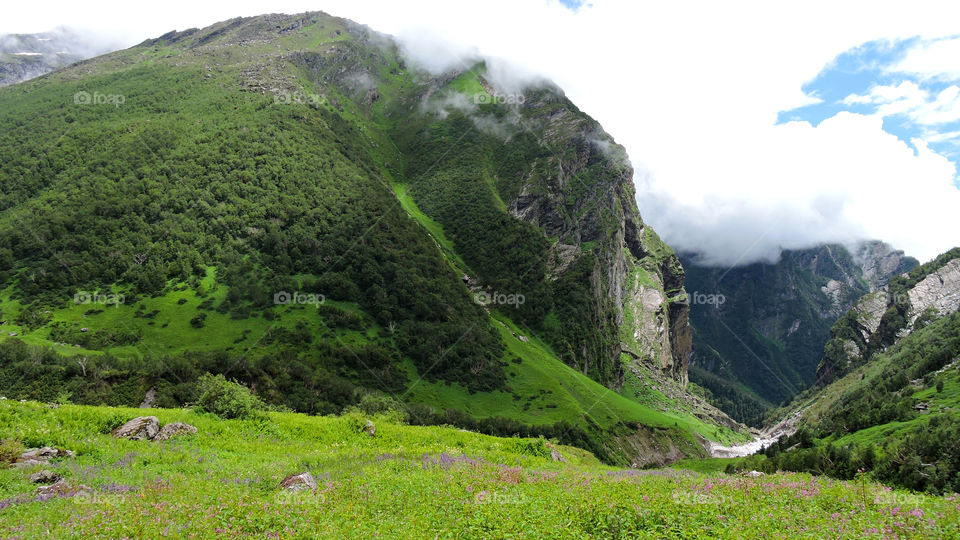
283, 200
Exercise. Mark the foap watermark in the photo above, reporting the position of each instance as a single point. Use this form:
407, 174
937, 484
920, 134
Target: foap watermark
485, 298
97, 98
298, 497
699, 298
693, 498
509, 99
499, 497
296, 98
900, 299
108, 299
297, 297
92, 497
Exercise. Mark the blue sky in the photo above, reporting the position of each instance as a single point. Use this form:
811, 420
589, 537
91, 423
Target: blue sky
877, 78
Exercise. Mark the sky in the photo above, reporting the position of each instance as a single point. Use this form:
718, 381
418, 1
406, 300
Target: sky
752, 126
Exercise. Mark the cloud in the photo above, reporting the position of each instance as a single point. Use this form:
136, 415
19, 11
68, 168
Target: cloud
694, 93
932, 59
918, 104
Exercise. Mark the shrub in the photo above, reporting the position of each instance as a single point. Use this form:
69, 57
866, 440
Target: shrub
226, 399
10, 450
529, 447
382, 405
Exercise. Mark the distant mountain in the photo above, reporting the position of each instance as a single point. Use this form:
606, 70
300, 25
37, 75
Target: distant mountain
889, 388
759, 330
886, 316
25, 56
284, 200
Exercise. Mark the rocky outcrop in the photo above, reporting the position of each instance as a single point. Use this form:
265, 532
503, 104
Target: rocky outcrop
879, 263
40, 456
140, 428
62, 488
938, 293
299, 482
881, 318
147, 428
174, 429
43, 477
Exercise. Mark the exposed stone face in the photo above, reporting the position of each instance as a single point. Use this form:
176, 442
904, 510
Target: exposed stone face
880, 263
43, 477
140, 428
870, 311
635, 274
299, 482
939, 292
174, 429
936, 295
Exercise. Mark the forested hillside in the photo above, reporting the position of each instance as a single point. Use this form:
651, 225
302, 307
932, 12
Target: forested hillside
284, 201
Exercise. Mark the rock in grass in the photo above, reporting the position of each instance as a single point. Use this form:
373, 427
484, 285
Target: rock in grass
45, 454
62, 489
369, 428
299, 482
174, 429
138, 429
557, 456
40, 456
44, 477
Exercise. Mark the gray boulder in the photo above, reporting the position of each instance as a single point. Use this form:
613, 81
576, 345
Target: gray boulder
138, 429
40, 456
174, 429
299, 482
44, 477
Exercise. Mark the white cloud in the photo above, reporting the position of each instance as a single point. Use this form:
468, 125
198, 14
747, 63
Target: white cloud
936, 137
693, 92
909, 99
932, 59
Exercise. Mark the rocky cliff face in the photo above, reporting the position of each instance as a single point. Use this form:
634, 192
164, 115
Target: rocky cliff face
879, 263
936, 295
881, 318
636, 280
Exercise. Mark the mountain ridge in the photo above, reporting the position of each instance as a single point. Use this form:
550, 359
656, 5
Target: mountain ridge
300, 156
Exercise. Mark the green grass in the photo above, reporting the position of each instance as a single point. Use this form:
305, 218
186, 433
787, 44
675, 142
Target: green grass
946, 402
551, 391
408, 482
431, 226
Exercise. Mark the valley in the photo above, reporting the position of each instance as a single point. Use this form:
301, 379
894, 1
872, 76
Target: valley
277, 277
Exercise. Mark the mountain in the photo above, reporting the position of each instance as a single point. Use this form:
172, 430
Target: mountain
25, 56
889, 388
285, 200
886, 316
759, 330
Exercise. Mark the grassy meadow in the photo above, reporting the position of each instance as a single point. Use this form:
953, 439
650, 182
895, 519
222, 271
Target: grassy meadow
408, 482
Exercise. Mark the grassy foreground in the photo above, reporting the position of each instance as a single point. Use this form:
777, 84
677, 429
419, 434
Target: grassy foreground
407, 482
